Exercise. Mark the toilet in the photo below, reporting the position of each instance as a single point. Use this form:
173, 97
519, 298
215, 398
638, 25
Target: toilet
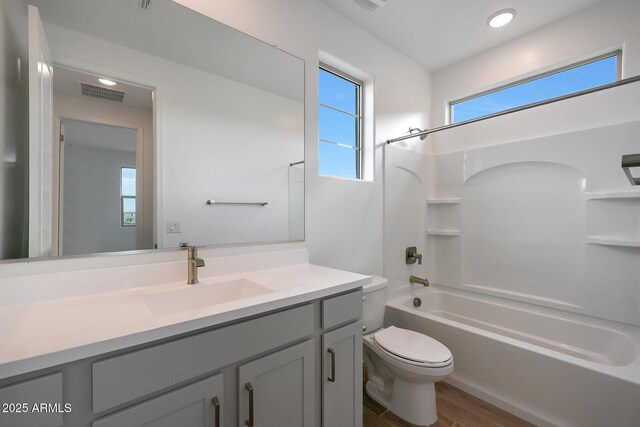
403, 365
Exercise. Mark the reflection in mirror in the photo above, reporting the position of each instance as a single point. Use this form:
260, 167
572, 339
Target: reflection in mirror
225, 123
105, 192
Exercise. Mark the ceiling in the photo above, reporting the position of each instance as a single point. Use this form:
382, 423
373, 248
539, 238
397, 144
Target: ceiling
176, 33
437, 33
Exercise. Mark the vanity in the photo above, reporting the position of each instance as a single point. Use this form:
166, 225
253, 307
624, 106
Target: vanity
283, 349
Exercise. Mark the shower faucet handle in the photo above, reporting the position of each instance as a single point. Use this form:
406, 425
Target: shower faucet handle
411, 255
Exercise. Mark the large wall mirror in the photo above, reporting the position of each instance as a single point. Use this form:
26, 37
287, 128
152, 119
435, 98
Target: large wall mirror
130, 125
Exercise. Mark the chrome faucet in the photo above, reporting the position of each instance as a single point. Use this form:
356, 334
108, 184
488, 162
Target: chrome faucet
414, 279
193, 263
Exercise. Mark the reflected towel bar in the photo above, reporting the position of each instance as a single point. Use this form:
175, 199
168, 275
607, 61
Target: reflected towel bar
631, 161
216, 202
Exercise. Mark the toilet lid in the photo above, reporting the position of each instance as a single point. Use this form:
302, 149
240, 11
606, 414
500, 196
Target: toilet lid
412, 345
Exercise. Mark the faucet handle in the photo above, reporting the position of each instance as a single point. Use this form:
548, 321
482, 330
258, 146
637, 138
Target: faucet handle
184, 245
412, 255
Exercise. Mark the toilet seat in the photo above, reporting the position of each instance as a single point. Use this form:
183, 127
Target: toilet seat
413, 347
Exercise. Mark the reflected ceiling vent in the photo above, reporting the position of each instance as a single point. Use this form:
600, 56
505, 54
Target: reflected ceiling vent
142, 4
101, 92
371, 5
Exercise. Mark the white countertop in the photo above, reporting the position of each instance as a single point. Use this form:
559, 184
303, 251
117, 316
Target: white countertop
47, 332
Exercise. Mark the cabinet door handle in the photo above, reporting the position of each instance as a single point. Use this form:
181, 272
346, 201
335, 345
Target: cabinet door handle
332, 352
249, 387
216, 404
631, 161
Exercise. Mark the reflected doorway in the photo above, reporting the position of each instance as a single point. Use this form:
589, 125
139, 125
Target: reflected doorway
98, 174
104, 200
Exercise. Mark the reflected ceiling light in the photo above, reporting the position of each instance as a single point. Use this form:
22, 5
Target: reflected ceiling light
371, 5
501, 18
107, 82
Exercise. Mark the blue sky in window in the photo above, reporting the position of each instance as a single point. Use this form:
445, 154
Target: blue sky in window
128, 182
336, 126
336, 161
576, 79
129, 205
337, 92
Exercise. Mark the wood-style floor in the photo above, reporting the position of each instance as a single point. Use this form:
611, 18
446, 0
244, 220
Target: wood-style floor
455, 409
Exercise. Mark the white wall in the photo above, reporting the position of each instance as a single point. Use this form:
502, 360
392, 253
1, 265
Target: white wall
344, 218
226, 141
14, 129
604, 27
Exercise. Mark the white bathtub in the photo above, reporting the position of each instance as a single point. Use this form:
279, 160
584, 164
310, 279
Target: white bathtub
549, 367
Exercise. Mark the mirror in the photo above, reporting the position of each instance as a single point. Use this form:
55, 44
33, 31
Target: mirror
213, 119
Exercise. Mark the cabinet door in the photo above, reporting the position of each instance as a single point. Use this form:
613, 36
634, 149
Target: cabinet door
277, 390
342, 376
196, 405
21, 403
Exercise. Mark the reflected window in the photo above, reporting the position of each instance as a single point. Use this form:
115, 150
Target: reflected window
128, 197
584, 75
340, 124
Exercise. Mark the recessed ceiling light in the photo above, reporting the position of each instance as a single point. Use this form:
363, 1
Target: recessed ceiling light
501, 18
107, 82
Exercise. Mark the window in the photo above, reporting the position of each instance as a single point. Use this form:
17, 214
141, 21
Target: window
340, 124
128, 197
585, 75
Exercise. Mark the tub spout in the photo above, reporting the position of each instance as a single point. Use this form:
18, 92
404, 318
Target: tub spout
414, 279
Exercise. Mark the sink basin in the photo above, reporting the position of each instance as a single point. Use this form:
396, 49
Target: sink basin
203, 294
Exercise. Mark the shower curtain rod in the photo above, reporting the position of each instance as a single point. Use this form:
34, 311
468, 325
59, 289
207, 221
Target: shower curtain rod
423, 134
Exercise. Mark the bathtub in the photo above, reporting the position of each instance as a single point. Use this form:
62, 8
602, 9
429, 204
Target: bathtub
549, 367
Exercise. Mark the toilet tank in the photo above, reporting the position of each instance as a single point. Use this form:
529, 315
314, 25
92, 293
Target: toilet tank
374, 299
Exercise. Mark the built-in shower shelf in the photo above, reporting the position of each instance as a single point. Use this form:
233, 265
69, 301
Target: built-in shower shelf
451, 232
444, 201
614, 195
612, 241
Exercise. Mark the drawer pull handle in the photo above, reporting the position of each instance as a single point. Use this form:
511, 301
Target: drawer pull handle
249, 387
631, 161
216, 404
332, 352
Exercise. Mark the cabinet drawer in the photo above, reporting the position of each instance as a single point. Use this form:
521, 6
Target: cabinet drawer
341, 309
18, 402
135, 375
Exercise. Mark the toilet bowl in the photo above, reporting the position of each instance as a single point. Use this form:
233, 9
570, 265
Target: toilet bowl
403, 365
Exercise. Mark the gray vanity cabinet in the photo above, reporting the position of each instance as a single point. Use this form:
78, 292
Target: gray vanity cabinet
277, 390
268, 370
196, 405
342, 361
342, 376
21, 403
